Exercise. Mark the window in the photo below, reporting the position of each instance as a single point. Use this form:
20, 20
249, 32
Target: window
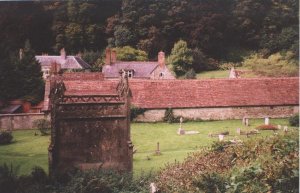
161, 75
128, 73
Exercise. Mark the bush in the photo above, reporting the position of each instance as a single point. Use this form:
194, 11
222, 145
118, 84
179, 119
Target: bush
211, 183
220, 146
135, 112
191, 74
43, 126
294, 120
5, 137
169, 116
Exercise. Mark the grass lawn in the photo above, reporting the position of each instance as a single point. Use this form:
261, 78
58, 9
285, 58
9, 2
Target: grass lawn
28, 150
224, 74
213, 74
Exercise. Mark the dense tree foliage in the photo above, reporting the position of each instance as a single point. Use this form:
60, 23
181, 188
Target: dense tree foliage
22, 77
181, 58
128, 53
215, 30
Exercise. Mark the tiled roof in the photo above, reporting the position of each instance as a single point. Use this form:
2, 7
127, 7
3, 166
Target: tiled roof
71, 62
199, 93
141, 69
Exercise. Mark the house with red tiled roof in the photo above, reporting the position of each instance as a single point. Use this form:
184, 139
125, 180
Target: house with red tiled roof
210, 99
65, 62
136, 69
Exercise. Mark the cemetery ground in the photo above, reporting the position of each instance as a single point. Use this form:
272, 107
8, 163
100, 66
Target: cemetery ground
28, 150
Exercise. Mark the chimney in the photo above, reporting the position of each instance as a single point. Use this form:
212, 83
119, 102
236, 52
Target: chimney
55, 68
113, 56
107, 56
21, 53
161, 59
63, 54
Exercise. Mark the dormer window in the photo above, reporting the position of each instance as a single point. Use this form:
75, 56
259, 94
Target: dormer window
128, 72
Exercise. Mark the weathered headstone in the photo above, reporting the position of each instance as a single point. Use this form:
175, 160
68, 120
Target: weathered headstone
180, 131
285, 129
238, 130
279, 126
244, 121
247, 122
267, 121
221, 137
157, 152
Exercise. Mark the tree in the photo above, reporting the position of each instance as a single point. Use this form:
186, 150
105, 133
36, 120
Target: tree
27, 71
128, 53
181, 58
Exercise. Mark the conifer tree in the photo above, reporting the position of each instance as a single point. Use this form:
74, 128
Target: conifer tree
181, 58
28, 72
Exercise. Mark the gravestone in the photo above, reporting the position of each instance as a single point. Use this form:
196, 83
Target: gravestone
279, 126
267, 121
181, 131
221, 137
238, 130
247, 122
157, 151
285, 129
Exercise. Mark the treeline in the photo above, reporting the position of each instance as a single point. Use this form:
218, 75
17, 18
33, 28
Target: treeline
221, 29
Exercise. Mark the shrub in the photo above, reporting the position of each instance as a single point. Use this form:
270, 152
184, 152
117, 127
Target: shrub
267, 127
5, 137
169, 116
8, 179
135, 112
294, 120
249, 179
43, 126
220, 145
191, 74
211, 183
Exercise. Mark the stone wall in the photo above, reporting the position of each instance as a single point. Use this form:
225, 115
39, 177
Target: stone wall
154, 115
20, 121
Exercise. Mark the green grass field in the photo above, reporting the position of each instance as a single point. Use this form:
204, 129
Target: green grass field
224, 74
28, 150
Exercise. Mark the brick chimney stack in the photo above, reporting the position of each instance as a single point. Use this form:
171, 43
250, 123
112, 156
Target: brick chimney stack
113, 56
107, 56
110, 56
63, 54
161, 59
